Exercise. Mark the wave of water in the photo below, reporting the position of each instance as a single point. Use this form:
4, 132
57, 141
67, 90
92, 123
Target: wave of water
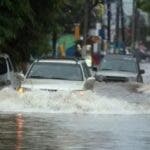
104, 100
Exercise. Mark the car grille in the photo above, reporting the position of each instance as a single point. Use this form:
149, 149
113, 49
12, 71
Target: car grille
50, 90
116, 79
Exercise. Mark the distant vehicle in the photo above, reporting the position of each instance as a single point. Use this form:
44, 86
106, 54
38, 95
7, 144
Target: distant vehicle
7, 73
121, 68
58, 74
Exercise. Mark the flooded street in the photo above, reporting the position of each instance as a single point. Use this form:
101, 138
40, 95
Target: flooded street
115, 116
74, 131
75, 75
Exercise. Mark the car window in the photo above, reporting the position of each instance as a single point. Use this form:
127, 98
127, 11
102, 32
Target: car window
86, 70
119, 65
3, 66
56, 71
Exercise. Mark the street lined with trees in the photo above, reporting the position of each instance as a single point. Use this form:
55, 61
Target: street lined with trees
28, 26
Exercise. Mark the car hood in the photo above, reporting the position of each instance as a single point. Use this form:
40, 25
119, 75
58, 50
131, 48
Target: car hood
116, 73
54, 85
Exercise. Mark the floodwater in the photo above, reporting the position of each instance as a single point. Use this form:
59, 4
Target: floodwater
115, 116
74, 131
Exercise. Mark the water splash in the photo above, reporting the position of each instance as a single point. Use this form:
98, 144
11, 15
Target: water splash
97, 102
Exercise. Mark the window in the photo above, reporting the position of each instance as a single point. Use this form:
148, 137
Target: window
118, 65
53, 70
3, 66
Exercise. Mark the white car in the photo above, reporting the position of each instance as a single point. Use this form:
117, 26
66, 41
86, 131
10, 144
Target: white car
8, 77
57, 74
122, 68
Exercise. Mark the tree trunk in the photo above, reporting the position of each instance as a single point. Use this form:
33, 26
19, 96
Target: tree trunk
54, 41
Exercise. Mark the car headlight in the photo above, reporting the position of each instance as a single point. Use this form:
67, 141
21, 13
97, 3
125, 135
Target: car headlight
79, 92
22, 90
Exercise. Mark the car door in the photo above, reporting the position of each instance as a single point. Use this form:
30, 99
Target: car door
12, 76
3, 70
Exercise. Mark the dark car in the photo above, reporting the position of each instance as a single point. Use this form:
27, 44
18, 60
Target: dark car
122, 68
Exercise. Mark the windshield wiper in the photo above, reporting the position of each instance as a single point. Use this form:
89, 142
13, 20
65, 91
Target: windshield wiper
106, 69
59, 78
41, 77
37, 77
123, 70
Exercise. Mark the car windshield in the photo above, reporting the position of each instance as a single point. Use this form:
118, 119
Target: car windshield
119, 65
59, 71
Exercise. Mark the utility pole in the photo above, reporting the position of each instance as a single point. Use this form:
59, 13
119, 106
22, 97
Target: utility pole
133, 24
122, 21
85, 26
122, 24
117, 22
108, 19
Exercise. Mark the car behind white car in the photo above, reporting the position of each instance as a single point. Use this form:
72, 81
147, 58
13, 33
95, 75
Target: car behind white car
121, 68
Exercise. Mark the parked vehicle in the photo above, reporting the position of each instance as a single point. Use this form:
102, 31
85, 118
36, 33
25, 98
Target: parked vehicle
122, 68
58, 74
7, 73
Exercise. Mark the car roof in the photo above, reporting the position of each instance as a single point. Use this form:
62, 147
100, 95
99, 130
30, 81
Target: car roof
61, 60
4, 55
120, 57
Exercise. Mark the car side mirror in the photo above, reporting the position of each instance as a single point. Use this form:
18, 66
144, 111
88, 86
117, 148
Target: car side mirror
94, 69
142, 71
89, 84
20, 76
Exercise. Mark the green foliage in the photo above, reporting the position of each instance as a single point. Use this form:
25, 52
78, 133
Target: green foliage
144, 5
12, 18
26, 26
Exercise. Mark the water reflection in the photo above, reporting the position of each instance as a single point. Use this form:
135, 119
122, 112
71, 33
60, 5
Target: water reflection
19, 131
74, 131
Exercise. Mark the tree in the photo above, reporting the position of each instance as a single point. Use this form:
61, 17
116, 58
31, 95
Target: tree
12, 18
144, 5
26, 26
